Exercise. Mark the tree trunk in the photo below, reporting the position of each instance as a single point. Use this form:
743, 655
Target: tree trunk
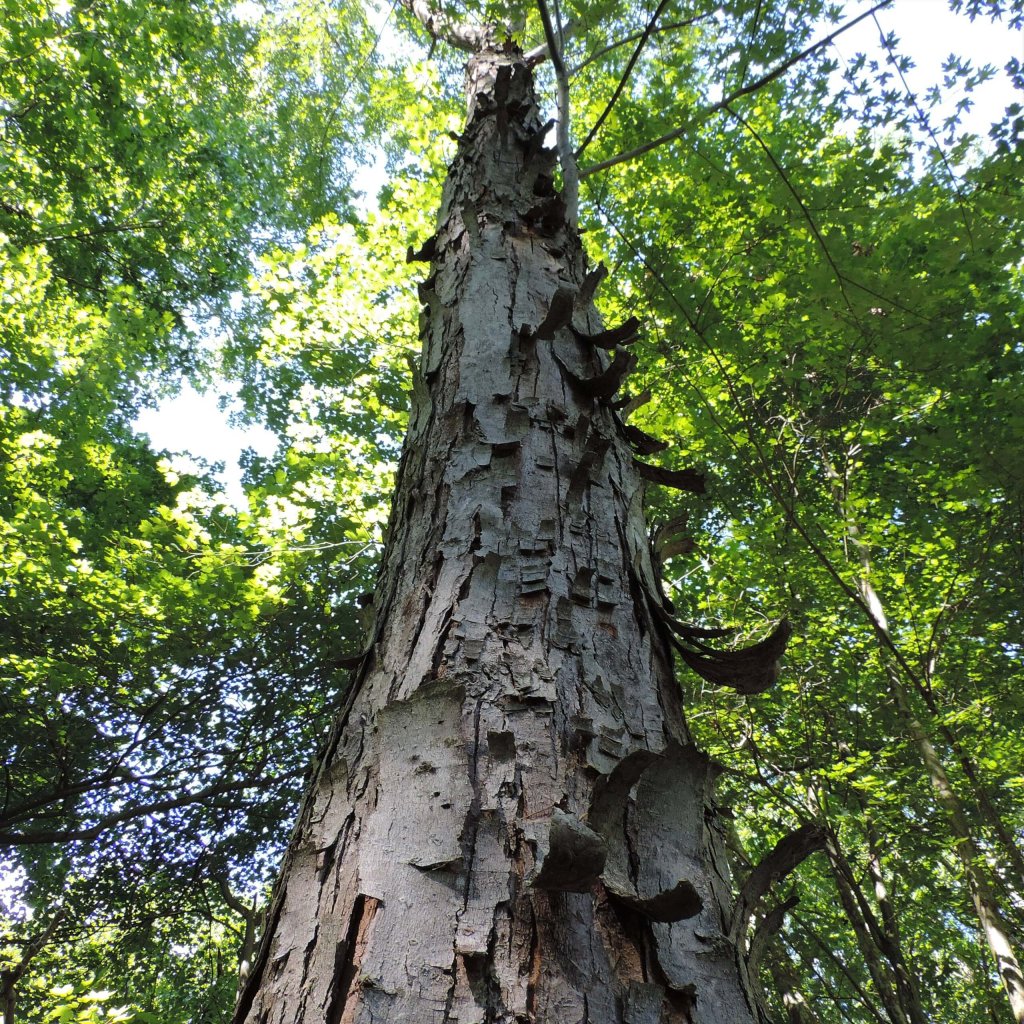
787, 984
8, 979
510, 822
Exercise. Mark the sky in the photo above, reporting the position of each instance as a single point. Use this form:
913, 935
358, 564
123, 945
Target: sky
928, 32
193, 424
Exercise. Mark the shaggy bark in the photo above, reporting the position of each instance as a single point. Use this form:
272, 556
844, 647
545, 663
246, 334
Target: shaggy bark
510, 822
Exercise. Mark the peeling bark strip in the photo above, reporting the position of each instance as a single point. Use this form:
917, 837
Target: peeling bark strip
510, 823
787, 855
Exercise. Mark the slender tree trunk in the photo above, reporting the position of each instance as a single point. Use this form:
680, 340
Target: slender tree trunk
892, 945
815, 965
510, 822
877, 968
989, 813
787, 984
883, 934
8, 979
1010, 850
993, 926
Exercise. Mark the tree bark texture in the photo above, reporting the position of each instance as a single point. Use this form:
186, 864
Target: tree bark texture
510, 822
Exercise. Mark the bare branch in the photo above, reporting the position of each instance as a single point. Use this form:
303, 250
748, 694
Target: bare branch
630, 64
59, 794
767, 929
108, 229
566, 157
34, 946
462, 35
779, 69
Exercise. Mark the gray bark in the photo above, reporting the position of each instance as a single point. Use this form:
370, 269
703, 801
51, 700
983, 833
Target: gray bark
510, 822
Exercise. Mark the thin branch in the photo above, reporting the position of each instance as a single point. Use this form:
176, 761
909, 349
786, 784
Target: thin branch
845, 971
626, 40
337, 105
103, 229
141, 810
766, 930
753, 29
243, 910
34, 946
463, 35
58, 795
542, 52
645, 35
819, 238
926, 125
745, 90
558, 26
570, 169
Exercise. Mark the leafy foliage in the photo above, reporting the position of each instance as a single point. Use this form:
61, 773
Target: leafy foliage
835, 319
155, 739
829, 272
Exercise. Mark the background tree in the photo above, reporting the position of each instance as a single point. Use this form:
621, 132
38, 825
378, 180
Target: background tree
892, 409
153, 739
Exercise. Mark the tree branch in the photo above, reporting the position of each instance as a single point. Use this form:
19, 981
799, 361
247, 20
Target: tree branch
34, 946
566, 157
788, 853
746, 90
139, 810
645, 35
626, 40
58, 795
247, 913
815, 231
461, 34
542, 52
766, 930
922, 118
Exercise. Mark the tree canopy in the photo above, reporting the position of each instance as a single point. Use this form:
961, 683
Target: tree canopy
827, 271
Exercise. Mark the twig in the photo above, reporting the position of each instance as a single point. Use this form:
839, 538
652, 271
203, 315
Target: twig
645, 35
626, 40
764, 80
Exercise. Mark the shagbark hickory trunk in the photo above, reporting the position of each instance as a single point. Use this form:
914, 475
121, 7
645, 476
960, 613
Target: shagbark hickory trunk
510, 822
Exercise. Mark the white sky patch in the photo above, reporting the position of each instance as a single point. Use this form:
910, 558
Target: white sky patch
928, 32
13, 886
369, 180
192, 425
248, 12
